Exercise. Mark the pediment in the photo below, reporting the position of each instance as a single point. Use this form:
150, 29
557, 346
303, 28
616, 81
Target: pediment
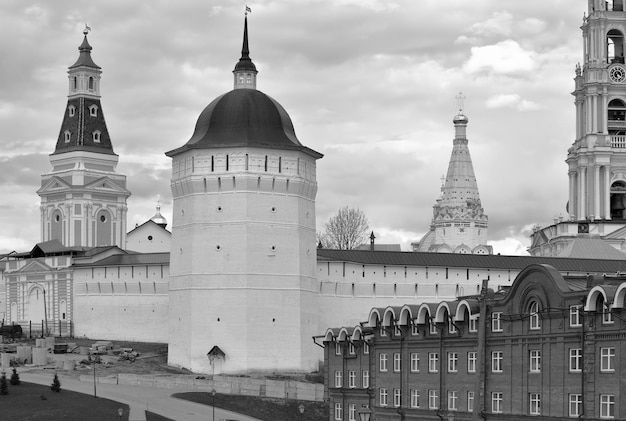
34, 266
105, 184
54, 184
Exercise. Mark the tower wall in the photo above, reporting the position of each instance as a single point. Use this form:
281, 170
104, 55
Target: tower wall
243, 260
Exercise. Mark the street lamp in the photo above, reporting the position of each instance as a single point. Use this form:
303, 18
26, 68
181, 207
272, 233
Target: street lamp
301, 409
365, 413
120, 412
213, 395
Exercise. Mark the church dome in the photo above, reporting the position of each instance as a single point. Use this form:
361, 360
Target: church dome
158, 218
243, 117
460, 118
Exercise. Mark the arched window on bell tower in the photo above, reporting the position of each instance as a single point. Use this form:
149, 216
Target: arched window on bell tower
616, 122
618, 200
615, 5
615, 46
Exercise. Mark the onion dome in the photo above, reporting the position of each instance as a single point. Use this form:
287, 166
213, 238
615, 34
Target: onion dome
158, 218
460, 118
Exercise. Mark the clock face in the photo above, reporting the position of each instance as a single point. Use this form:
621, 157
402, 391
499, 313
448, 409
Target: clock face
617, 74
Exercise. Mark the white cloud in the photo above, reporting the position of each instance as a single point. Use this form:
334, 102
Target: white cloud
511, 101
504, 58
500, 23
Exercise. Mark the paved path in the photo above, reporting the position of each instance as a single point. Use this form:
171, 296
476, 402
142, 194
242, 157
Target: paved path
142, 398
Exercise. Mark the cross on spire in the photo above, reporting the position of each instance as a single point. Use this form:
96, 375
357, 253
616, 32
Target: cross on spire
460, 98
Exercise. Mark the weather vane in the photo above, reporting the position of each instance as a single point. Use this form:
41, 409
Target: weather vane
459, 101
87, 29
248, 10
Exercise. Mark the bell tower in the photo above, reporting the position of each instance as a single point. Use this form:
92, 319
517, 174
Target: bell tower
83, 198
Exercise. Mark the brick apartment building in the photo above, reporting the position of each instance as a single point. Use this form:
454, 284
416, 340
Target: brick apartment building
549, 347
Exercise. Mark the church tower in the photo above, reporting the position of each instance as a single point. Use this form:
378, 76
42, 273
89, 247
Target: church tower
83, 198
459, 223
597, 158
243, 257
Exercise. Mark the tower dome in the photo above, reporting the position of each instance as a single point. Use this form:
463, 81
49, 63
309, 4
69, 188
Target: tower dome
158, 218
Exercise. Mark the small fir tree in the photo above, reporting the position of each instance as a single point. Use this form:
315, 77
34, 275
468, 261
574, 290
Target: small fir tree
4, 386
56, 384
15, 378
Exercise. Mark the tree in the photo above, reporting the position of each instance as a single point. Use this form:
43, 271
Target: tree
346, 230
15, 378
56, 384
4, 387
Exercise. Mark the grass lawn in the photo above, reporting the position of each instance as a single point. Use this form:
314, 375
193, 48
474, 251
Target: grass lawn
33, 402
266, 409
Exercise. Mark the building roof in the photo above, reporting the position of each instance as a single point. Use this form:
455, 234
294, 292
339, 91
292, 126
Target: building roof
592, 248
245, 63
423, 259
130, 260
84, 58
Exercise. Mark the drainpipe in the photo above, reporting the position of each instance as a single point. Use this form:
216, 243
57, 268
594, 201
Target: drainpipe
479, 384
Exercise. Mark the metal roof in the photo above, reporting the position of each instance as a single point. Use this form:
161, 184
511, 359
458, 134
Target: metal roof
130, 260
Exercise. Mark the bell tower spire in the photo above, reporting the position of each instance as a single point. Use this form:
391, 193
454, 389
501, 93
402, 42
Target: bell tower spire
245, 71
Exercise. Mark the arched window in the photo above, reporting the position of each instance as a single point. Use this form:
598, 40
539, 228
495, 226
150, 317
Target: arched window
67, 135
618, 200
75, 83
96, 136
534, 319
93, 110
615, 46
90, 83
71, 110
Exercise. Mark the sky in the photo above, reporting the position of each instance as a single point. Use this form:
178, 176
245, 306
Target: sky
371, 84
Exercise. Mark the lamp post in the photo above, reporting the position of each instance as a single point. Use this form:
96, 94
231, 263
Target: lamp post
45, 310
213, 395
120, 412
301, 410
365, 413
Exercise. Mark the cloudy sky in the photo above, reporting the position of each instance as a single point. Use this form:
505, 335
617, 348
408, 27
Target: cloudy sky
371, 84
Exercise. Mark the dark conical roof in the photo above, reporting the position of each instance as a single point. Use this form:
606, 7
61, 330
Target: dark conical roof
245, 62
84, 59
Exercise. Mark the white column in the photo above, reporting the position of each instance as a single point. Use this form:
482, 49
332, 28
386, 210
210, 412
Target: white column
596, 192
582, 199
607, 195
572, 195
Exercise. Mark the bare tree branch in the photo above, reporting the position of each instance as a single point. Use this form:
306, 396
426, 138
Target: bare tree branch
346, 230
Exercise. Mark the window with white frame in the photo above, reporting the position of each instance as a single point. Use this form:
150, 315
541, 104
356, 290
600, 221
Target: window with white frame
453, 359
433, 399
471, 361
535, 361
453, 400
396, 330
352, 412
534, 319
366, 348
397, 397
71, 110
67, 135
337, 348
607, 357
415, 329
96, 136
496, 402
351, 349
382, 362
396, 362
473, 324
382, 396
351, 379
496, 361
575, 405
496, 321
433, 362
365, 379
93, 110
432, 327
338, 379
575, 360
574, 315
534, 400
415, 398
415, 362
451, 326
382, 330
470, 401
338, 411
607, 316
607, 406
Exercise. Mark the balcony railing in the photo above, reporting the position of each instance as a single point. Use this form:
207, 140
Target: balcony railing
617, 123
618, 142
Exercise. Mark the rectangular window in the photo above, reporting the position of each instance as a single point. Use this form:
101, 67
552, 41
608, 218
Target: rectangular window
337, 348
338, 379
351, 349
451, 327
496, 321
470, 401
496, 402
607, 356
365, 379
607, 316
535, 361
473, 325
415, 330
453, 359
432, 327
433, 399
382, 330
352, 379
383, 396
415, 398
574, 315
366, 348
338, 411
415, 362
397, 397
496, 361
471, 362
452, 400
534, 399
397, 331
383, 362
535, 320
575, 360
433, 362
607, 406
352, 412
396, 362
575, 405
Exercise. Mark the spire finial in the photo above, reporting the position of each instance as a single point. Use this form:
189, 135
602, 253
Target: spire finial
248, 10
86, 30
460, 99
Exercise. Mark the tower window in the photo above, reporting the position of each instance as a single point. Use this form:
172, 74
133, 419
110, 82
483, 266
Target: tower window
615, 46
75, 83
71, 110
96, 136
93, 110
90, 83
67, 136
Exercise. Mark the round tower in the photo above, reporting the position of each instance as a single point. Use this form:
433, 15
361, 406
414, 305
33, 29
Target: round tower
243, 258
